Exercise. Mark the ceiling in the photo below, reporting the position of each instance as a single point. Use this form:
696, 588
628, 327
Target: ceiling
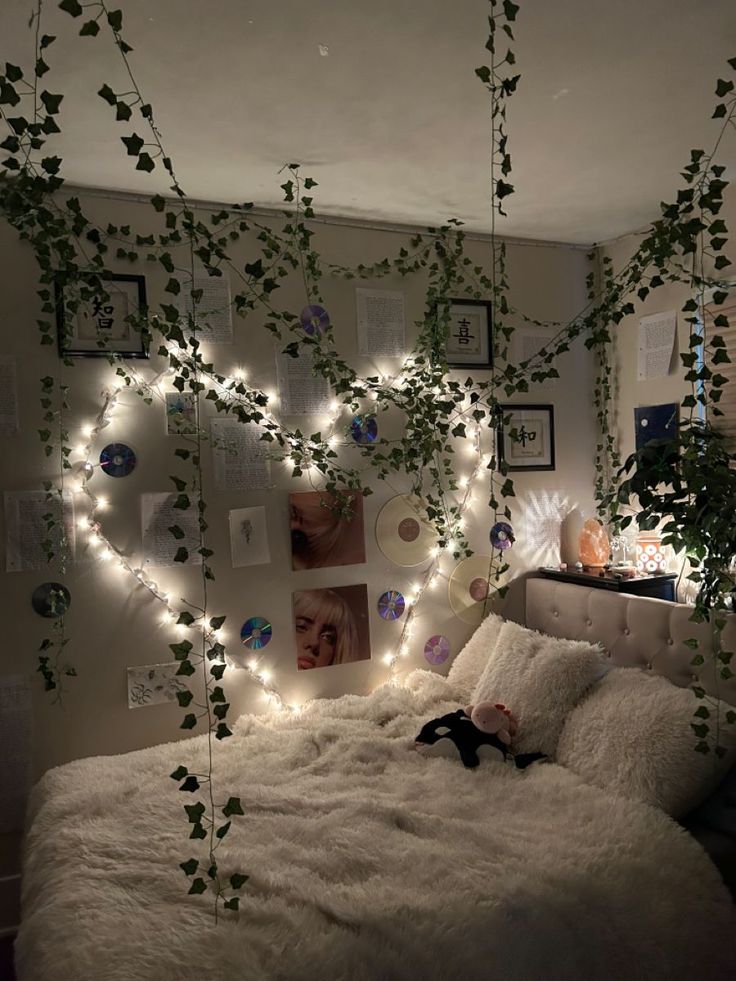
378, 100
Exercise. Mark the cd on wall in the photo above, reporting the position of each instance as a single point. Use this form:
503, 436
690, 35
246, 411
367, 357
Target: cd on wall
314, 319
117, 460
437, 649
403, 532
256, 633
391, 605
470, 588
51, 599
502, 536
364, 429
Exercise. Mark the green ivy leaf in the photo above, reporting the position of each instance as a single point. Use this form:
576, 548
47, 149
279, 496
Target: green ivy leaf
181, 554
72, 7
232, 903
133, 144
115, 20
51, 102
189, 867
217, 622
179, 773
145, 162
89, 29
238, 880
233, 807
186, 668
198, 886
190, 721
194, 812
184, 698
190, 785
223, 830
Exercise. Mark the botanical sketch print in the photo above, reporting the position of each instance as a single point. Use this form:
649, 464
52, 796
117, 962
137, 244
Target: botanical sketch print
151, 684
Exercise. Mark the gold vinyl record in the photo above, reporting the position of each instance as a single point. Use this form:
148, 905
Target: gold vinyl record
403, 532
471, 588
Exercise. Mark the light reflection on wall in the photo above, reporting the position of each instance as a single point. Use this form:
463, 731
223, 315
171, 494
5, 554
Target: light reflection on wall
538, 527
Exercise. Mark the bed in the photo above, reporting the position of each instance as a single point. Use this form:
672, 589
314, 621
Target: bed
369, 861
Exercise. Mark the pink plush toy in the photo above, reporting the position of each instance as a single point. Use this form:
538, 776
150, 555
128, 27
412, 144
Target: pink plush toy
494, 719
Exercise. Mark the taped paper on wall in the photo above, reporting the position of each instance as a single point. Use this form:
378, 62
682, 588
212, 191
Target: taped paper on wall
152, 684
158, 515
28, 533
8, 397
15, 750
380, 323
213, 310
302, 393
656, 344
249, 537
239, 456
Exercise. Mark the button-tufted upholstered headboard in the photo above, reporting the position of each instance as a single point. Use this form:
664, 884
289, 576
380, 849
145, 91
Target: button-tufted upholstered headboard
636, 631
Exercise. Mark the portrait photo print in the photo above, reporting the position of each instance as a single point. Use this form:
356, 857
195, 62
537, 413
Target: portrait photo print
322, 535
331, 626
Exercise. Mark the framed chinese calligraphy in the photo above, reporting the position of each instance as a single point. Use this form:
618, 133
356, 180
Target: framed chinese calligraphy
104, 324
469, 334
526, 437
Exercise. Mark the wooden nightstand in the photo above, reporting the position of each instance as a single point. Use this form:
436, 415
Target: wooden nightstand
658, 587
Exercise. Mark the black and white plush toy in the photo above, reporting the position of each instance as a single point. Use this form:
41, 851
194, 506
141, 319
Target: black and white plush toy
483, 725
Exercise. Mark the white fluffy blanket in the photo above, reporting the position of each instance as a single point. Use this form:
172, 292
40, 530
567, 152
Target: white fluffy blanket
367, 861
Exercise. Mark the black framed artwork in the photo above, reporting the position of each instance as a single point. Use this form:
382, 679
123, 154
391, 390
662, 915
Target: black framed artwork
101, 325
526, 437
470, 334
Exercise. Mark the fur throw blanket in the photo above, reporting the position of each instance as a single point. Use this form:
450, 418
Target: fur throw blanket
367, 862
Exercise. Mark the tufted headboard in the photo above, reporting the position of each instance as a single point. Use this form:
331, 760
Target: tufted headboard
635, 630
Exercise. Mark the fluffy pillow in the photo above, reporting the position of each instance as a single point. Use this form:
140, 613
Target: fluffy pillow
468, 666
632, 736
541, 679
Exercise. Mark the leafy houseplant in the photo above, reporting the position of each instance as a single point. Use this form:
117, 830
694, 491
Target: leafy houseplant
686, 488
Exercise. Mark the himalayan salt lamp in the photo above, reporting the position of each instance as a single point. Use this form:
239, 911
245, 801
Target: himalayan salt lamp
593, 544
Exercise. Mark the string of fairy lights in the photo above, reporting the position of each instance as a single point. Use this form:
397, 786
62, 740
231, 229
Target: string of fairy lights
105, 550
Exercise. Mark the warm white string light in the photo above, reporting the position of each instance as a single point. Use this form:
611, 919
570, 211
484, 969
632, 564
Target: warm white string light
107, 551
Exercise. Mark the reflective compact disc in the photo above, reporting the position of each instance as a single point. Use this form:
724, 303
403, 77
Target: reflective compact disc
117, 460
364, 429
256, 633
437, 649
391, 605
502, 536
314, 319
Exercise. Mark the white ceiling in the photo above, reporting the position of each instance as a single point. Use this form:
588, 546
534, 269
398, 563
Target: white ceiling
392, 122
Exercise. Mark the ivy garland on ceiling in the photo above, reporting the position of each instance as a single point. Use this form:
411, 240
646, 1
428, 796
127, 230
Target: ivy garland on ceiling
75, 254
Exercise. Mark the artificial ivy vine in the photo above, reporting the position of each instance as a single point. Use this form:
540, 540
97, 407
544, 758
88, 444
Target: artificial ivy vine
75, 256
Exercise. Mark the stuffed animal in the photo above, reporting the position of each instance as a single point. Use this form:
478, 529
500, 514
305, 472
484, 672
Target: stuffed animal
485, 724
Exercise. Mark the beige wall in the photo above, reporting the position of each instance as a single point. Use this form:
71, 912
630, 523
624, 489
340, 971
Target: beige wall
671, 296
114, 625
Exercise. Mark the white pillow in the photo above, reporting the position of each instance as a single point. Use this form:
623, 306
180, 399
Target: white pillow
468, 666
540, 679
632, 736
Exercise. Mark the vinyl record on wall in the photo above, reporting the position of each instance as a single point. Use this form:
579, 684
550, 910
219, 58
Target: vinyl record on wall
471, 587
403, 531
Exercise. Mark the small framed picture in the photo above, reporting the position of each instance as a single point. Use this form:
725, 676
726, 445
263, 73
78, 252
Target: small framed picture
526, 437
469, 335
101, 326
